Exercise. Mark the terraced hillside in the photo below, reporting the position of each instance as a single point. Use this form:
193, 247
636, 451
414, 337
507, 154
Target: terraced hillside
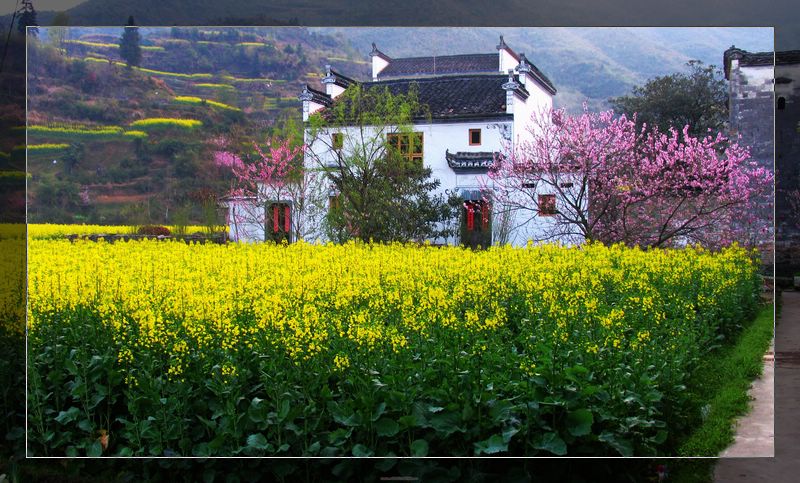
112, 144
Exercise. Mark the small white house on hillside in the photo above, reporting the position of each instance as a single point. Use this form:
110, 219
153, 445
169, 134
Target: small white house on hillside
479, 105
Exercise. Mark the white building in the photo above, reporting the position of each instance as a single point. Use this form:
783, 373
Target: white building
480, 104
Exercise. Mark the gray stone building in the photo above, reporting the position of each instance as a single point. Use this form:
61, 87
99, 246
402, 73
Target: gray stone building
764, 106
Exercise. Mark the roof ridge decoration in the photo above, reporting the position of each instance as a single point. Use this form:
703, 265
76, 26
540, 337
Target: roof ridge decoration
376, 52
514, 85
502, 44
310, 94
333, 77
526, 67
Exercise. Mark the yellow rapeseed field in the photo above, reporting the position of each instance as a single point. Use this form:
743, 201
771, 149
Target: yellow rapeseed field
404, 345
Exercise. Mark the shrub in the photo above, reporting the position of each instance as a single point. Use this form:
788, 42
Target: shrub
156, 230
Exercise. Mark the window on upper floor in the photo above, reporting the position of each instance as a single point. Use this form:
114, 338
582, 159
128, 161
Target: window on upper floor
408, 145
474, 137
781, 103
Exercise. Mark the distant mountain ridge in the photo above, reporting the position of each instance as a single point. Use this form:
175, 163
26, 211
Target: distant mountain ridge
587, 65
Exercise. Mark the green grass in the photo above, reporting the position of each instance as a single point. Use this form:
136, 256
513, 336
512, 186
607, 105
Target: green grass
723, 380
726, 377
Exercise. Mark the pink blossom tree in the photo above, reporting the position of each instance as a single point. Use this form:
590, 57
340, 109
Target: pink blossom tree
615, 183
272, 195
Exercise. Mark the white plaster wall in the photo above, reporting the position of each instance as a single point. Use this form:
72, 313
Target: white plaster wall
378, 64
761, 75
538, 101
333, 90
246, 221
506, 61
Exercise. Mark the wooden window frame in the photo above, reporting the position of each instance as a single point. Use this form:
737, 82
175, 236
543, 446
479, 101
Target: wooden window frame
405, 149
480, 137
547, 208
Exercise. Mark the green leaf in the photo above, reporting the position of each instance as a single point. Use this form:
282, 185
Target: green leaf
257, 441
419, 448
623, 446
386, 427
85, 425
495, 444
314, 448
660, 437
339, 436
201, 450
283, 410
125, 452
360, 451
445, 423
378, 412
67, 416
553, 443
579, 422
71, 451
95, 450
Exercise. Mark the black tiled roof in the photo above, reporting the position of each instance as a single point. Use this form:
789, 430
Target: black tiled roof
315, 96
786, 57
337, 78
441, 65
455, 96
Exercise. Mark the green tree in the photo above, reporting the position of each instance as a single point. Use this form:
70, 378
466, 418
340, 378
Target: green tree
697, 98
129, 44
366, 145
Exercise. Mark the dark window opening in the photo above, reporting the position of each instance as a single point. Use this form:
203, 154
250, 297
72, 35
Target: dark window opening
474, 137
565, 185
529, 185
781, 103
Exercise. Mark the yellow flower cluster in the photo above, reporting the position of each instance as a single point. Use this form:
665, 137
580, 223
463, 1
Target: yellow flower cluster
333, 302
